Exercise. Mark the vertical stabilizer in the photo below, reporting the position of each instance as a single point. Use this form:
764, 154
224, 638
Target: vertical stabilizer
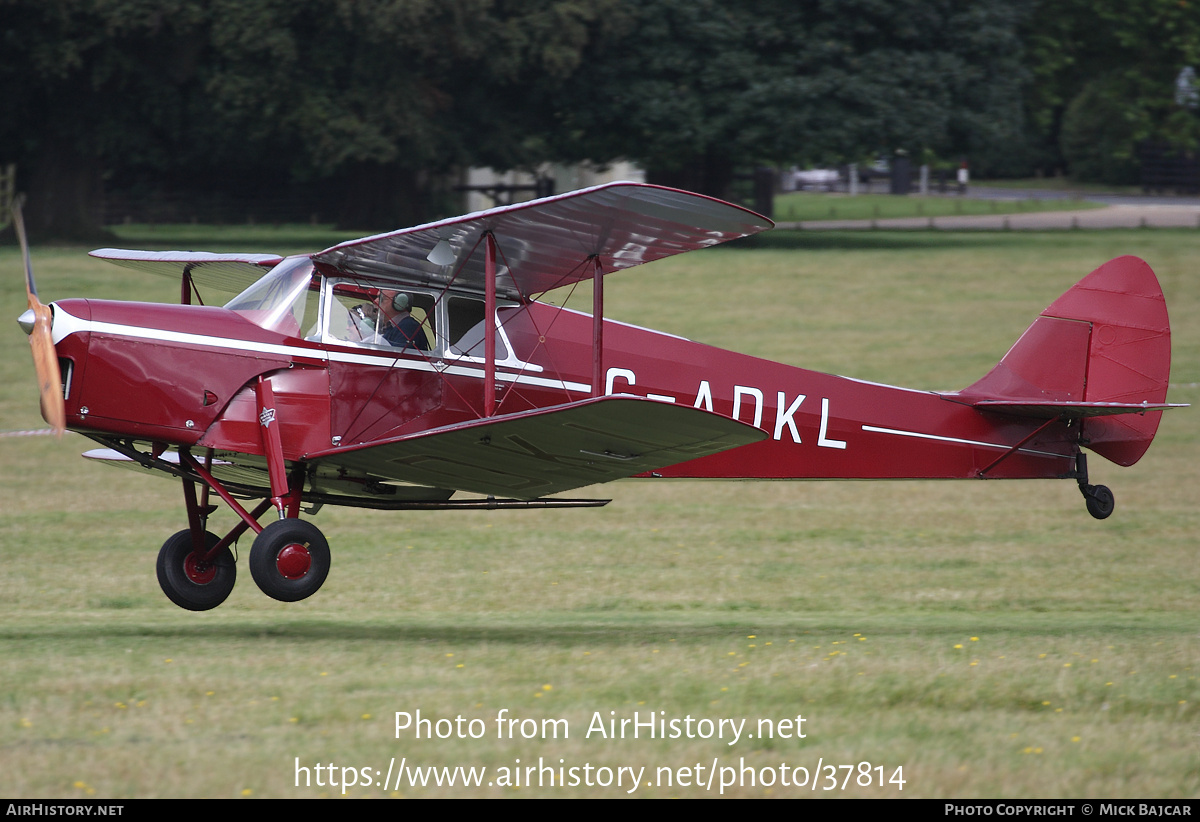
1106, 340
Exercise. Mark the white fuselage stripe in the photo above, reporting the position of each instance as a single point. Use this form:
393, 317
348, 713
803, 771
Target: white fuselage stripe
66, 324
897, 432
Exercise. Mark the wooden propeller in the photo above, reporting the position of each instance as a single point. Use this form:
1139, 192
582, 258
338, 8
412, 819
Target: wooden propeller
41, 339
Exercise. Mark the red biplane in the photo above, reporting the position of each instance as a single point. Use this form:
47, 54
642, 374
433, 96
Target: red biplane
397, 370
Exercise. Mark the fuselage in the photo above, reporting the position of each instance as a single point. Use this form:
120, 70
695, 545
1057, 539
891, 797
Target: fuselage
183, 375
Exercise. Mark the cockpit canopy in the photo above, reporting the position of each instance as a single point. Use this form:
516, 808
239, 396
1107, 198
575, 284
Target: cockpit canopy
292, 300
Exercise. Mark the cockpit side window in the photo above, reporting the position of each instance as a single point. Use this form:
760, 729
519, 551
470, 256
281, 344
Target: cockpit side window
423, 309
354, 316
347, 310
466, 329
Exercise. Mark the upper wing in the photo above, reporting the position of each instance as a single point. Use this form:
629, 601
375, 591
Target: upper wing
550, 450
548, 243
543, 244
227, 272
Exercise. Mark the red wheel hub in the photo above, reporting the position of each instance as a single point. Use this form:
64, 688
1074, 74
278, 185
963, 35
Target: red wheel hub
198, 572
293, 561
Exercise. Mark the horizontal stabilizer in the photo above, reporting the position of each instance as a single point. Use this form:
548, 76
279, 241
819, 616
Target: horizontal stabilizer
225, 272
1072, 410
547, 451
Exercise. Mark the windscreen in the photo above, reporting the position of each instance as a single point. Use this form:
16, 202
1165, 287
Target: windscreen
279, 301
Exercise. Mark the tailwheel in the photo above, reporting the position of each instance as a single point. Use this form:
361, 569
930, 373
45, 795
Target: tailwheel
289, 560
188, 581
1099, 500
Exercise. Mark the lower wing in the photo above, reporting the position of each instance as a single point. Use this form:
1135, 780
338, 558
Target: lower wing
551, 450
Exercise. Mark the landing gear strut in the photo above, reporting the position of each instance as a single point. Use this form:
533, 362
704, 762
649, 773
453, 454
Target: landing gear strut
1098, 498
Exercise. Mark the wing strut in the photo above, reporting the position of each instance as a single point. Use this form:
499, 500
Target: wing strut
489, 337
185, 285
597, 329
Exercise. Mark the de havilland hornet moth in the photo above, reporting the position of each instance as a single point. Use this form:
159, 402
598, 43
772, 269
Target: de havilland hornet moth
398, 370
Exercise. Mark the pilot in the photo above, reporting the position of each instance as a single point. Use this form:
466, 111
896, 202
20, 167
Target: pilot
401, 328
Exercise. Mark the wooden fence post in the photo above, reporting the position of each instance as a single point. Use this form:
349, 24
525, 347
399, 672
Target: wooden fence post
8, 191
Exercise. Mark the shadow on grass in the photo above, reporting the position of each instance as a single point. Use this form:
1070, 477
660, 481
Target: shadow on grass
570, 631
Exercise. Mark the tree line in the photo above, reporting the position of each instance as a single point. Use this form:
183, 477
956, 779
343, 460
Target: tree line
370, 104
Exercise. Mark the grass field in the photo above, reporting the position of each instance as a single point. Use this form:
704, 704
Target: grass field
807, 205
988, 639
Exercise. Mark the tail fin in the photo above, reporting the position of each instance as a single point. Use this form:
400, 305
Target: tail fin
1101, 353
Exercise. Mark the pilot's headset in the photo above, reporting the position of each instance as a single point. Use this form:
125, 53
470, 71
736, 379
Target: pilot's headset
401, 302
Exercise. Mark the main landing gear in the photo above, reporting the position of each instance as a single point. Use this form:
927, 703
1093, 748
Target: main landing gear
289, 558
289, 561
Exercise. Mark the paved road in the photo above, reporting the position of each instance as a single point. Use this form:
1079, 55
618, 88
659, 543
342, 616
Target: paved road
987, 193
1120, 211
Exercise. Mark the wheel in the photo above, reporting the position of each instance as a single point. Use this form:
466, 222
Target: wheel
189, 583
289, 560
1100, 501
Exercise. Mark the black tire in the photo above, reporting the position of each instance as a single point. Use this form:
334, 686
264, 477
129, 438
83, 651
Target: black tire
289, 560
192, 585
1100, 501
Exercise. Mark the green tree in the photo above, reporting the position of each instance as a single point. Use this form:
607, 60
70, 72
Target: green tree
692, 88
1098, 138
1122, 58
84, 82
366, 100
